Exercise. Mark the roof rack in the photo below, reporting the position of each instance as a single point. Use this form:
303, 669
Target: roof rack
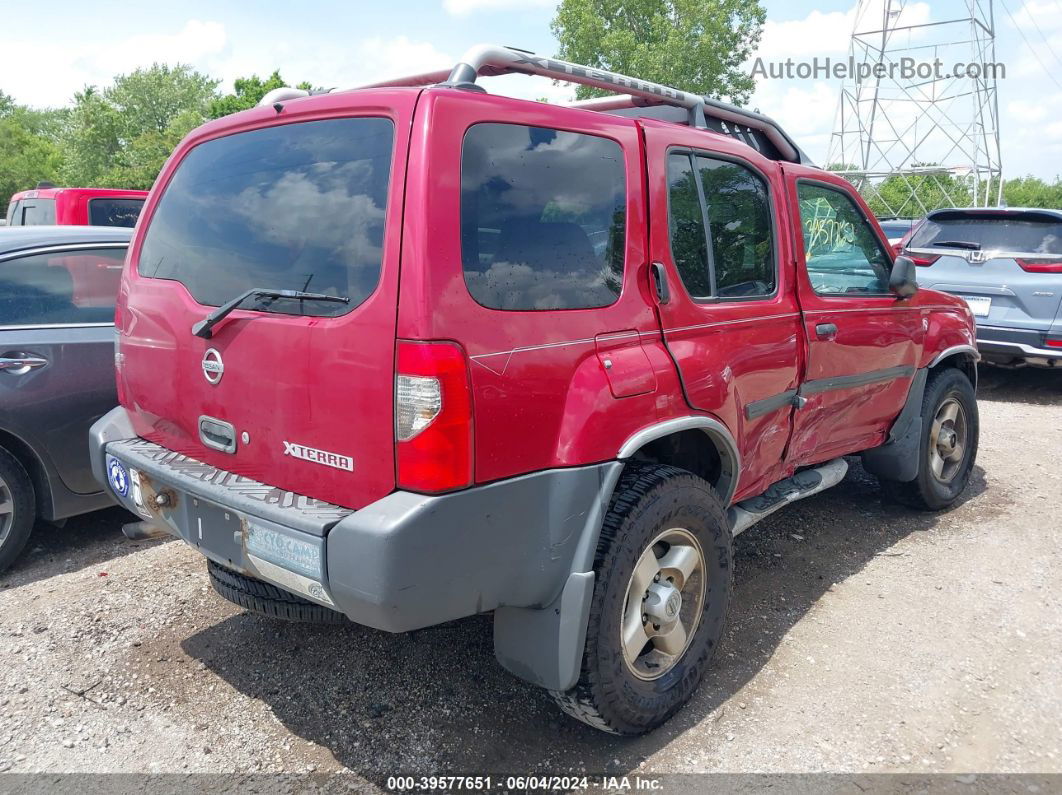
636, 96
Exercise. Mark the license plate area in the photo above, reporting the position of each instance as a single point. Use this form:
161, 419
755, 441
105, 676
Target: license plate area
216, 531
979, 305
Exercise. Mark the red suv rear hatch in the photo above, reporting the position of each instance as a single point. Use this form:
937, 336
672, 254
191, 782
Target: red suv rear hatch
308, 199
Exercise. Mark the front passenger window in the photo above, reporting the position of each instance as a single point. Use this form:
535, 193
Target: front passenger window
843, 255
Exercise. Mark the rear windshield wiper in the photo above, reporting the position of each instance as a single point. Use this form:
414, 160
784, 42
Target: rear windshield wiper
204, 326
967, 244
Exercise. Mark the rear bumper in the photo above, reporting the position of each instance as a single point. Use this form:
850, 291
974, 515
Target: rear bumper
1000, 343
403, 562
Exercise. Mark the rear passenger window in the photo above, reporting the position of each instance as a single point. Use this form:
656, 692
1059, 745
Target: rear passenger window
720, 222
543, 218
66, 287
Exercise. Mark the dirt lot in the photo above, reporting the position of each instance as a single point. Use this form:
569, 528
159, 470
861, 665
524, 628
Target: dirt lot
864, 638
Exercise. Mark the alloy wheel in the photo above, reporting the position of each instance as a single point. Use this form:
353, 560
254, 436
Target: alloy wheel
663, 604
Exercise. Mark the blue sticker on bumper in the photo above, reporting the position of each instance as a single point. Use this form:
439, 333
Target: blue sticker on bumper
118, 476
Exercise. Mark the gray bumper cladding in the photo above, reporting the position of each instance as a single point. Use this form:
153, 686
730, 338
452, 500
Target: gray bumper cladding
523, 547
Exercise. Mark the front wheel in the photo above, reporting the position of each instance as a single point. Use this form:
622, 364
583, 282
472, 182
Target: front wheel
664, 575
948, 445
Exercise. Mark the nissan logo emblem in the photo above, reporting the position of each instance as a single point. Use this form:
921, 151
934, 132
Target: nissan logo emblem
213, 367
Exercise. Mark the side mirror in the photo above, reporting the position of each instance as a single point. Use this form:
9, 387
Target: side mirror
903, 281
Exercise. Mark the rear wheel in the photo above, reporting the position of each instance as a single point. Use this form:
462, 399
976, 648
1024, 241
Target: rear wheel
664, 579
948, 445
268, 600
17, 508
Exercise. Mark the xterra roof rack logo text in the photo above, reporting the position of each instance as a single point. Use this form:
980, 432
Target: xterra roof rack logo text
316, 456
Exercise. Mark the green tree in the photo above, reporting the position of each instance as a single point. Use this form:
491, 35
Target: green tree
247, 91
120, 136
29, 151
694, 45
1030, 191
25, 159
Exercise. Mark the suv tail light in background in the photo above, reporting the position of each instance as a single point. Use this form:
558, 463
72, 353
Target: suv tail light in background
923, 260
1053, 265
433, 417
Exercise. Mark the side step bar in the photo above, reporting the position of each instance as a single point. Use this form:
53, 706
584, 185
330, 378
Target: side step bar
746, 513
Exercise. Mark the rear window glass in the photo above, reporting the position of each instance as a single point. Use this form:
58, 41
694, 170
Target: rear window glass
12, 209
543, 217
38, 212
1025, 234
295, 207
68, 287
114, 212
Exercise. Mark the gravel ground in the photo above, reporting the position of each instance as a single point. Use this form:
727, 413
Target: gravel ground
863, 638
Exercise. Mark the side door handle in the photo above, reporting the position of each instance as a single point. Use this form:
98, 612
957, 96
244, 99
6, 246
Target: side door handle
663, 294
19, 365
826, 331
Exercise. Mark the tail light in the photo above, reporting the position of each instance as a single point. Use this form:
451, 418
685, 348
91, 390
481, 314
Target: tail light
119, 366
433, 417
924, 260
1053, 265
1054, 343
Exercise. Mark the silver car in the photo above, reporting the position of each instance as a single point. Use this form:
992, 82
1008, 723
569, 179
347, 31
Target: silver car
57, 291
1007, 264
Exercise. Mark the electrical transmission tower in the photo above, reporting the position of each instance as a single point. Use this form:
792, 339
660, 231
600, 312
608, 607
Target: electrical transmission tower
925, 136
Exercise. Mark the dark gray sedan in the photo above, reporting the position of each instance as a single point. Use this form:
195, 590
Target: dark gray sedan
57, 291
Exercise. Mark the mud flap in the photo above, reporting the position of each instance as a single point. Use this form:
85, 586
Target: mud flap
545, 646
897, 459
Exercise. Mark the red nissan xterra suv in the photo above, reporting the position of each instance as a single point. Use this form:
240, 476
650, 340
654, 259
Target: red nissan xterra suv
412, 352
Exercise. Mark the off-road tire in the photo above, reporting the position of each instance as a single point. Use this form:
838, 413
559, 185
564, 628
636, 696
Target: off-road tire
18, 488
268, 600
649, 498
925, 492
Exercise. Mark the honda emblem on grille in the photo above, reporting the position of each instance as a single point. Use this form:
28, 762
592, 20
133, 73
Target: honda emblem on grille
213, 367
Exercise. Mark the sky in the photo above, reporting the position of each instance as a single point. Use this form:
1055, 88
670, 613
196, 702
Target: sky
50, 50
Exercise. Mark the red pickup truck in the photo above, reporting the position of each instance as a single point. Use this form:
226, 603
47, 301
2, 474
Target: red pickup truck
47, 205
412, 352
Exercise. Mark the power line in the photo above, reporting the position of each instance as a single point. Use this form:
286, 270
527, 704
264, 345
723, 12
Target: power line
1050, 49
1029, 44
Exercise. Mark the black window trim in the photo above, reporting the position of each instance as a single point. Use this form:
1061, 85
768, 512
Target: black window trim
626, 211
819, 183
7, 256
88, 204
693, 152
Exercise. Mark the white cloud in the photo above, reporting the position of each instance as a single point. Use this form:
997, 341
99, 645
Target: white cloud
462, 7
379, 58
1045, 14
53, 80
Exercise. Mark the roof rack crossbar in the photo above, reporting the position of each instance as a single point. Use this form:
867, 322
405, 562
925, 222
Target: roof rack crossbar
495, 59
491, 60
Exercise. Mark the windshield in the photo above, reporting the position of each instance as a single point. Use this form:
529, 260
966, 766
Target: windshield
1029, 233
293, 207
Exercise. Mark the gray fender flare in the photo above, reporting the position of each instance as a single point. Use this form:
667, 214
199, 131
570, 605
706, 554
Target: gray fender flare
545, 645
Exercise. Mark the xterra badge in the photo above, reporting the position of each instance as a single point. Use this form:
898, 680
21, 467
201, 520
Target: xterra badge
316, 456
